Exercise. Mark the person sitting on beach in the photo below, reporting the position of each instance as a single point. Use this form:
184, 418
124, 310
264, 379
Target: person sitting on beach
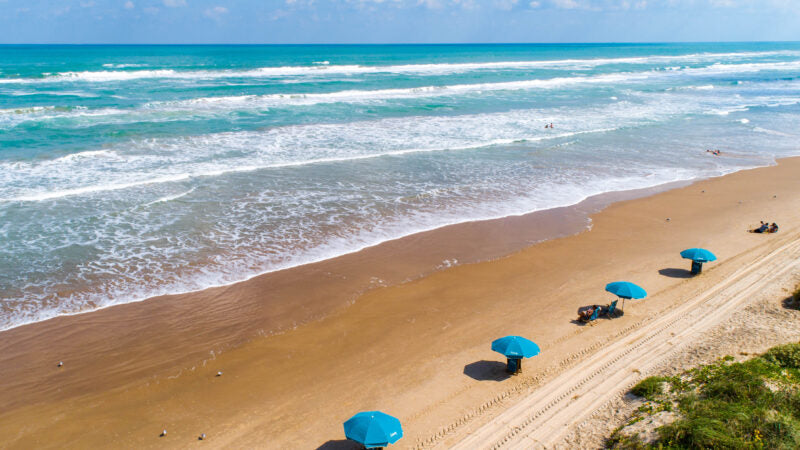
773, 228
546, 126
585, 314
764, 227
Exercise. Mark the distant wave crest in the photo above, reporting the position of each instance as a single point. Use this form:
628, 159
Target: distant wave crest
324, 67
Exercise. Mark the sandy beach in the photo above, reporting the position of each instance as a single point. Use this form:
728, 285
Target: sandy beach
374, 335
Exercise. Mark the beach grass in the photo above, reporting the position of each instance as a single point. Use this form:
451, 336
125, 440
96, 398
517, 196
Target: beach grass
649, 388
736, 405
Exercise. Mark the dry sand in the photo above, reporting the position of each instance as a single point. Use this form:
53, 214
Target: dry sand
766, 319
566, 404
418, 350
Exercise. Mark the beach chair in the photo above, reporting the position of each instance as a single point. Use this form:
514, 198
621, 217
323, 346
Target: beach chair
514, 365
612, 308
697, 267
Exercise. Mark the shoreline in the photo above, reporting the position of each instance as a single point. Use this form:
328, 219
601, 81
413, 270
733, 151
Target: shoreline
151, 365
518, 224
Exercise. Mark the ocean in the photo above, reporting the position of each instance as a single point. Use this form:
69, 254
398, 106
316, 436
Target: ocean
133, 171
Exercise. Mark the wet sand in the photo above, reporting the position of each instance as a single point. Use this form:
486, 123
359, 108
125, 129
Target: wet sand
417, 349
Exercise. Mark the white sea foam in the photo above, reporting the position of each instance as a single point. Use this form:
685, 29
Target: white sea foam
202, 171
87, 154
106, 75
773, 132
158, 111
169, 160
122, 66
383, 94
27, 110
347, 96
705, 87
725, 112
157, 161
99, 188
54, 93
170, 198
440, 68
423, 91
730, 68
13, 117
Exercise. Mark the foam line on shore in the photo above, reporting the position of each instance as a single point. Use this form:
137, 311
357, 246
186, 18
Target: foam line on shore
361, 244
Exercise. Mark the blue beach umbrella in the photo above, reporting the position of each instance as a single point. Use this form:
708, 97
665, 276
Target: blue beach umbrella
700, 255
626, 290
373, 429
515, 347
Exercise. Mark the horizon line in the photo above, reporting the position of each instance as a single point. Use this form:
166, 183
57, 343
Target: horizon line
392, 43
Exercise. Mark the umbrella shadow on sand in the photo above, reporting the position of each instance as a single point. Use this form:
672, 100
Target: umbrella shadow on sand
343, 444
673, 272
790, 303
486, 371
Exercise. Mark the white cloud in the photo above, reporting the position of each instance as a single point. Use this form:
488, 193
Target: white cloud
216, 12
87, 4
466, 4
505, 5
151, 10
174, 3
534, 4
566, 4
129, 5
432, 4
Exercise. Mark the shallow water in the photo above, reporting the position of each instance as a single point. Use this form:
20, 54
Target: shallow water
131, 171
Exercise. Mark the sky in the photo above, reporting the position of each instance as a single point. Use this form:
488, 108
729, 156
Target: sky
395, 21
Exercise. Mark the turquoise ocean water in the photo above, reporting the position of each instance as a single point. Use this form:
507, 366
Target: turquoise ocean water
130, 171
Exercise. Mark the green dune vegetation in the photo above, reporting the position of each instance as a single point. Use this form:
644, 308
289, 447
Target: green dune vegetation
731, 405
